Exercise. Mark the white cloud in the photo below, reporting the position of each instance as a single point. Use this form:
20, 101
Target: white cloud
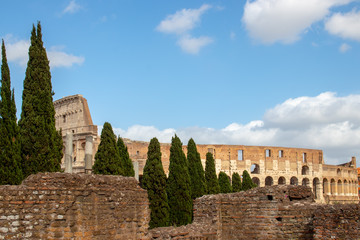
345, 25
271, 21
17, 52
193, 45
326, 122
62, 59
344, 48
145, 133
182, 21
72, 7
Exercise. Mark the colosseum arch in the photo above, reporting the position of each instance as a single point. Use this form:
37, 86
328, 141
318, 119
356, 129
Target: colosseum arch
305, 182
346, 187
294, 181
256, 181
316, 187
281, 181
255, 168
326, 189
333, 187
305, 170
339, 188
269, 181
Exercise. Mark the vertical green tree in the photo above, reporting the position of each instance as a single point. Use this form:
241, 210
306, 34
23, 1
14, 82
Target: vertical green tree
212, 183
247, 183
236, 182
154, 181
126, 163
107, 157
224, 183
178, 185
41, 144
196, 171
10, 157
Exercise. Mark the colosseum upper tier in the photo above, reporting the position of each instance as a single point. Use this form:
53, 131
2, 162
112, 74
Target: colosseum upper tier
266, 165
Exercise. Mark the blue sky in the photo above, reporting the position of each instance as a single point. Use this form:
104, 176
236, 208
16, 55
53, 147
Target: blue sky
261, 72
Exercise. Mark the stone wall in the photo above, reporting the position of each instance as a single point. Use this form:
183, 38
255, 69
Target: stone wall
69, 206
337, 222
79, 206
277, 212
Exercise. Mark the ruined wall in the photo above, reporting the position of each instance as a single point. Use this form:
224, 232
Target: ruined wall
73, 116
277, 212
68, 206
272, 166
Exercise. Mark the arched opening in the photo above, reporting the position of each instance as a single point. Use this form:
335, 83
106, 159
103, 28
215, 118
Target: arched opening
346, 187
305, 182
316, 187
338, 172
255, 169
293, 181
281, 181
333, 187
305, 170
269, 181
256, 181
326, 186
339, 187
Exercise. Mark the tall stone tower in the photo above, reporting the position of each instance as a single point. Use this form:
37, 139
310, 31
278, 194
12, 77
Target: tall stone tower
72, 115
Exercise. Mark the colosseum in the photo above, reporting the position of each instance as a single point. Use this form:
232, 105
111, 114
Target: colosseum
266, 165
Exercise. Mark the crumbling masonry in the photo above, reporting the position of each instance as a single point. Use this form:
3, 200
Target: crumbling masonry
85, 206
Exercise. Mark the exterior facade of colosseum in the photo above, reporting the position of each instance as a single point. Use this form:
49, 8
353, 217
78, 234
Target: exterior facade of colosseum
266, 165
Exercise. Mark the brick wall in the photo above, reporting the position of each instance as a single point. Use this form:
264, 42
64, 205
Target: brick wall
68, 206
337, 222
78, 206
276, 212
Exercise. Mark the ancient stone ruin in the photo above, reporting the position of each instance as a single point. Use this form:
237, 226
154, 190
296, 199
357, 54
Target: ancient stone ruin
267, 165
84, 206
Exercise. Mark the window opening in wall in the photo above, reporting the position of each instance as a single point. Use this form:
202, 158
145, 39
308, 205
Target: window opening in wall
269, 181
293, 181
137, 152
64, 118
304, 157
338, 172
211, 150
268, 153
73, 131
240, 155
281, 153
269, 197
305, 170
256, 181
255, 169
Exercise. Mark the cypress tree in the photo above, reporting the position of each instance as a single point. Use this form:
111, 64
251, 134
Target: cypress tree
154, 181
224, 183
41, 144
107, 158
212, 183
236, 182
196, 171
178, 185
10, 157
126, 163
247, 183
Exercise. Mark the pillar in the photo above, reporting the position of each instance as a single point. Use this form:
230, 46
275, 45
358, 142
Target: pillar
88, 154
68, 153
